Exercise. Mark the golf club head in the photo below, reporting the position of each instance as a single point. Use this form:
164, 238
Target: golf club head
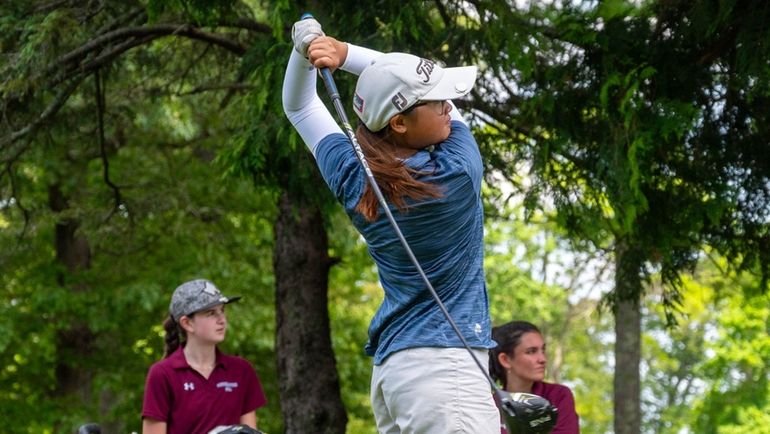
234, 429
525, 413
89, 428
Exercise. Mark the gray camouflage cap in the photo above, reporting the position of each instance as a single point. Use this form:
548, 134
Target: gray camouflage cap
195, 296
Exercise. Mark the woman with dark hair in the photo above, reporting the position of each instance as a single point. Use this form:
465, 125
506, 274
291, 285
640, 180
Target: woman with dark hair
196, 387
518, 364
426, 162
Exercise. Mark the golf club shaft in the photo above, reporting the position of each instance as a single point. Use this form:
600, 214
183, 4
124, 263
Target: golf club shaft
331, 88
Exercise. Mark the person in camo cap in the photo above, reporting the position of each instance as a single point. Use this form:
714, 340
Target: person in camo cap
195, 387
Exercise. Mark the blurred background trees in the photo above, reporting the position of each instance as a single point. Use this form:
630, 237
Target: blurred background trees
142, 143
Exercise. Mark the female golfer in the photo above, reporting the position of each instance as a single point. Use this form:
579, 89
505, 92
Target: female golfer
428, 166
518, 363
197, 388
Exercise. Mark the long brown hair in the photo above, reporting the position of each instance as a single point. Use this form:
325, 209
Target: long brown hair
175, 336
396, 180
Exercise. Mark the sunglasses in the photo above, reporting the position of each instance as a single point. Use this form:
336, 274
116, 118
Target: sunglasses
438, 107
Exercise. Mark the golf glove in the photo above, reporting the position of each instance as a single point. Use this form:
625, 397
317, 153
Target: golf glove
303, 33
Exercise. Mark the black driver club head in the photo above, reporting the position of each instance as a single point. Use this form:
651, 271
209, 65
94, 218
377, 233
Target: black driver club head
525, 413
234, 429
89, 428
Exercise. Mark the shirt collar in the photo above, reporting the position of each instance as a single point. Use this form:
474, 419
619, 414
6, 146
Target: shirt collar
420, 159
538, 388
179, 362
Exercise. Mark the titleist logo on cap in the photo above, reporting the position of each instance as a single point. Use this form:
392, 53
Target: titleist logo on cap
425, 67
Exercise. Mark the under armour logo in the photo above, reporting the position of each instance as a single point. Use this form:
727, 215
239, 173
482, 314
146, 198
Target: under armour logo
189, 386
210, 289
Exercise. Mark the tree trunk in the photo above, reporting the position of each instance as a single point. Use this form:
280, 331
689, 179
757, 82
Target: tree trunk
628, 285
307, 372
74, 343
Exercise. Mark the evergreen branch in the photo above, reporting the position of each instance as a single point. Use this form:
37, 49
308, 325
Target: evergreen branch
156, 31
100, 107
217, 86
47, 114
183, 75
17, 197
134, 14
247, 24
76, 70
160, 30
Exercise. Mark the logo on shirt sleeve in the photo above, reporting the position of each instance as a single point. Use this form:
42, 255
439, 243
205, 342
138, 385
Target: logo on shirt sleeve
229, 386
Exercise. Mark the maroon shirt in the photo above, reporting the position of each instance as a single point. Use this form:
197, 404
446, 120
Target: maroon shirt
567, 421
190, 404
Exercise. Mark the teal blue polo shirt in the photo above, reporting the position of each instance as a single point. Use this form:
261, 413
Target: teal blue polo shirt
445, 234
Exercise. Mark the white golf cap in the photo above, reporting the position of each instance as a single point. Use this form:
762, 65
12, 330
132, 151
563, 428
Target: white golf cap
396, 81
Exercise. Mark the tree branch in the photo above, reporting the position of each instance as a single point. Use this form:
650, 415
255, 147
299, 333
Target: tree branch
217, 86
129, 16
248, 24
131, 37
190, 66
154, 32
17, 200
118, 199
49, 112
48, 7
160, 30
63, 95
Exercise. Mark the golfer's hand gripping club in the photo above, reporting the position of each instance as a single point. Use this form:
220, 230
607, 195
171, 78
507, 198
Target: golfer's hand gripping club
305, 31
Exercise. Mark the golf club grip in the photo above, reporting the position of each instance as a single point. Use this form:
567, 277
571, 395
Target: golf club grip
331, 87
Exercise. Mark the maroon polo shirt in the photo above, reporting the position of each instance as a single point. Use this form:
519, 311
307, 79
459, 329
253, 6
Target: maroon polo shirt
190, 404
560, 397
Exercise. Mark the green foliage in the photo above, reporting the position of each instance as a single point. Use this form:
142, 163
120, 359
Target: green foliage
202, 12
163, 212
532, 276
737, 362
354, 295
620, 126
708, 373
643, 122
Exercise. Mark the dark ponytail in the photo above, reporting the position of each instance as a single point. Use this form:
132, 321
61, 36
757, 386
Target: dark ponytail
175, 336
508, 336
397, 181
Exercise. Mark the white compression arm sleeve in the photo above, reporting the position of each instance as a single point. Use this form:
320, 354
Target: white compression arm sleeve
358, 59
302, 104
